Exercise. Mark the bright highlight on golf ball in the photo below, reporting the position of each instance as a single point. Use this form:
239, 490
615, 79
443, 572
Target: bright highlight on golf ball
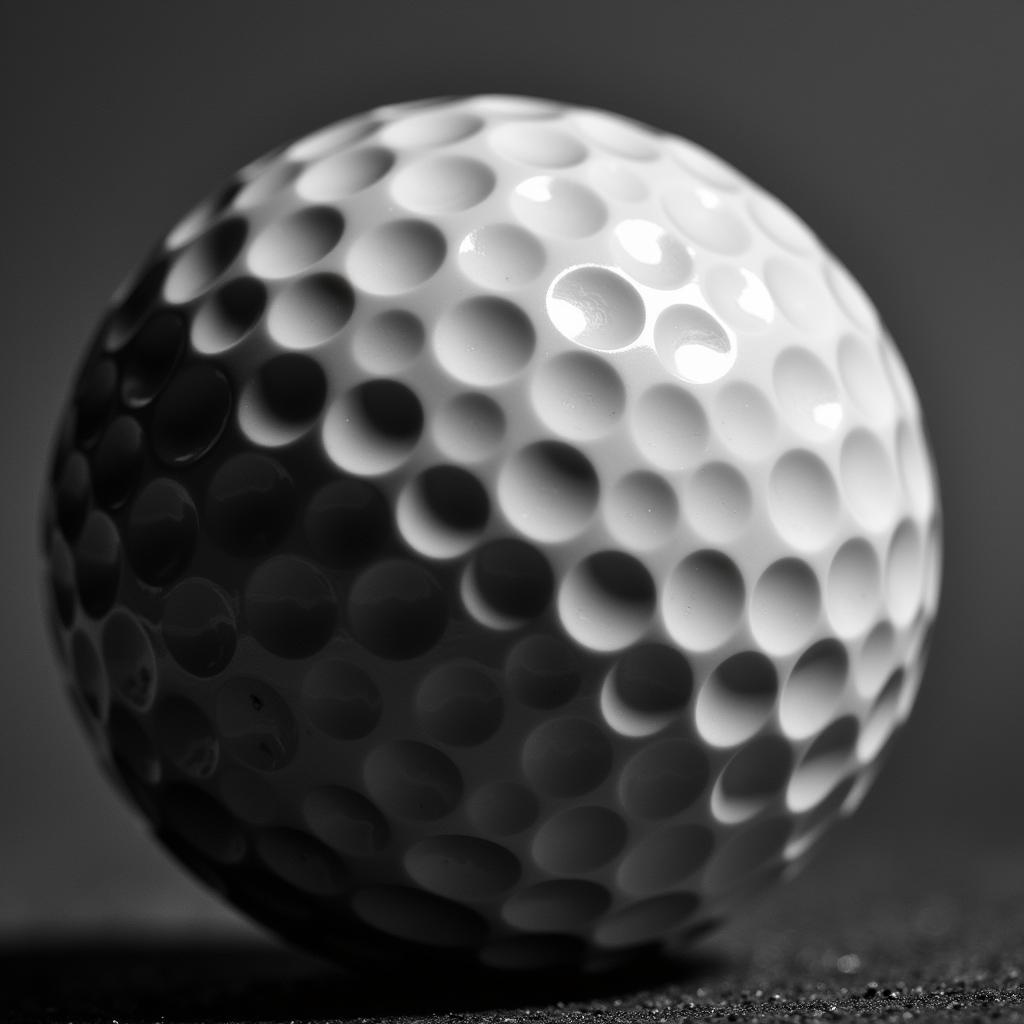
492, 529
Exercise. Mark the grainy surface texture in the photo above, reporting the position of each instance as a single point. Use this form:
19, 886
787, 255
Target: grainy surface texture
861, 936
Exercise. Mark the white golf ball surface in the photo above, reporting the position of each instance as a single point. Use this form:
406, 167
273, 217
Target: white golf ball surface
495, 527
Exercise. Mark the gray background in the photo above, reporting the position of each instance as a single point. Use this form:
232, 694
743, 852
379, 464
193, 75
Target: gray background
894, 128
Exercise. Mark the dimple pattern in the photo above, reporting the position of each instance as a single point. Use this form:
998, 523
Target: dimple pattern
492, 530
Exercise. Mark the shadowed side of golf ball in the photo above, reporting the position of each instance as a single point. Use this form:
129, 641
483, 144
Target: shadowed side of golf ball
493, 529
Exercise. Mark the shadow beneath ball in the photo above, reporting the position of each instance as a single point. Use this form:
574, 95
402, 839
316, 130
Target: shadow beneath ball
95, 977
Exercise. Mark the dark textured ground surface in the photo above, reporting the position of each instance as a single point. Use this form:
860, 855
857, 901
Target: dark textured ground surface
860, 936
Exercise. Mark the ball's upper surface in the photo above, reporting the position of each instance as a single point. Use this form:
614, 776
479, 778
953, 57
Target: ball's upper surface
494, 527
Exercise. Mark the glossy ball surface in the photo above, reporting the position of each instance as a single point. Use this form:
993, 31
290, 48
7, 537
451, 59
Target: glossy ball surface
492, 529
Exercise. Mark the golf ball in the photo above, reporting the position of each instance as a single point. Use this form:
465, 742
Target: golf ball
492, 529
